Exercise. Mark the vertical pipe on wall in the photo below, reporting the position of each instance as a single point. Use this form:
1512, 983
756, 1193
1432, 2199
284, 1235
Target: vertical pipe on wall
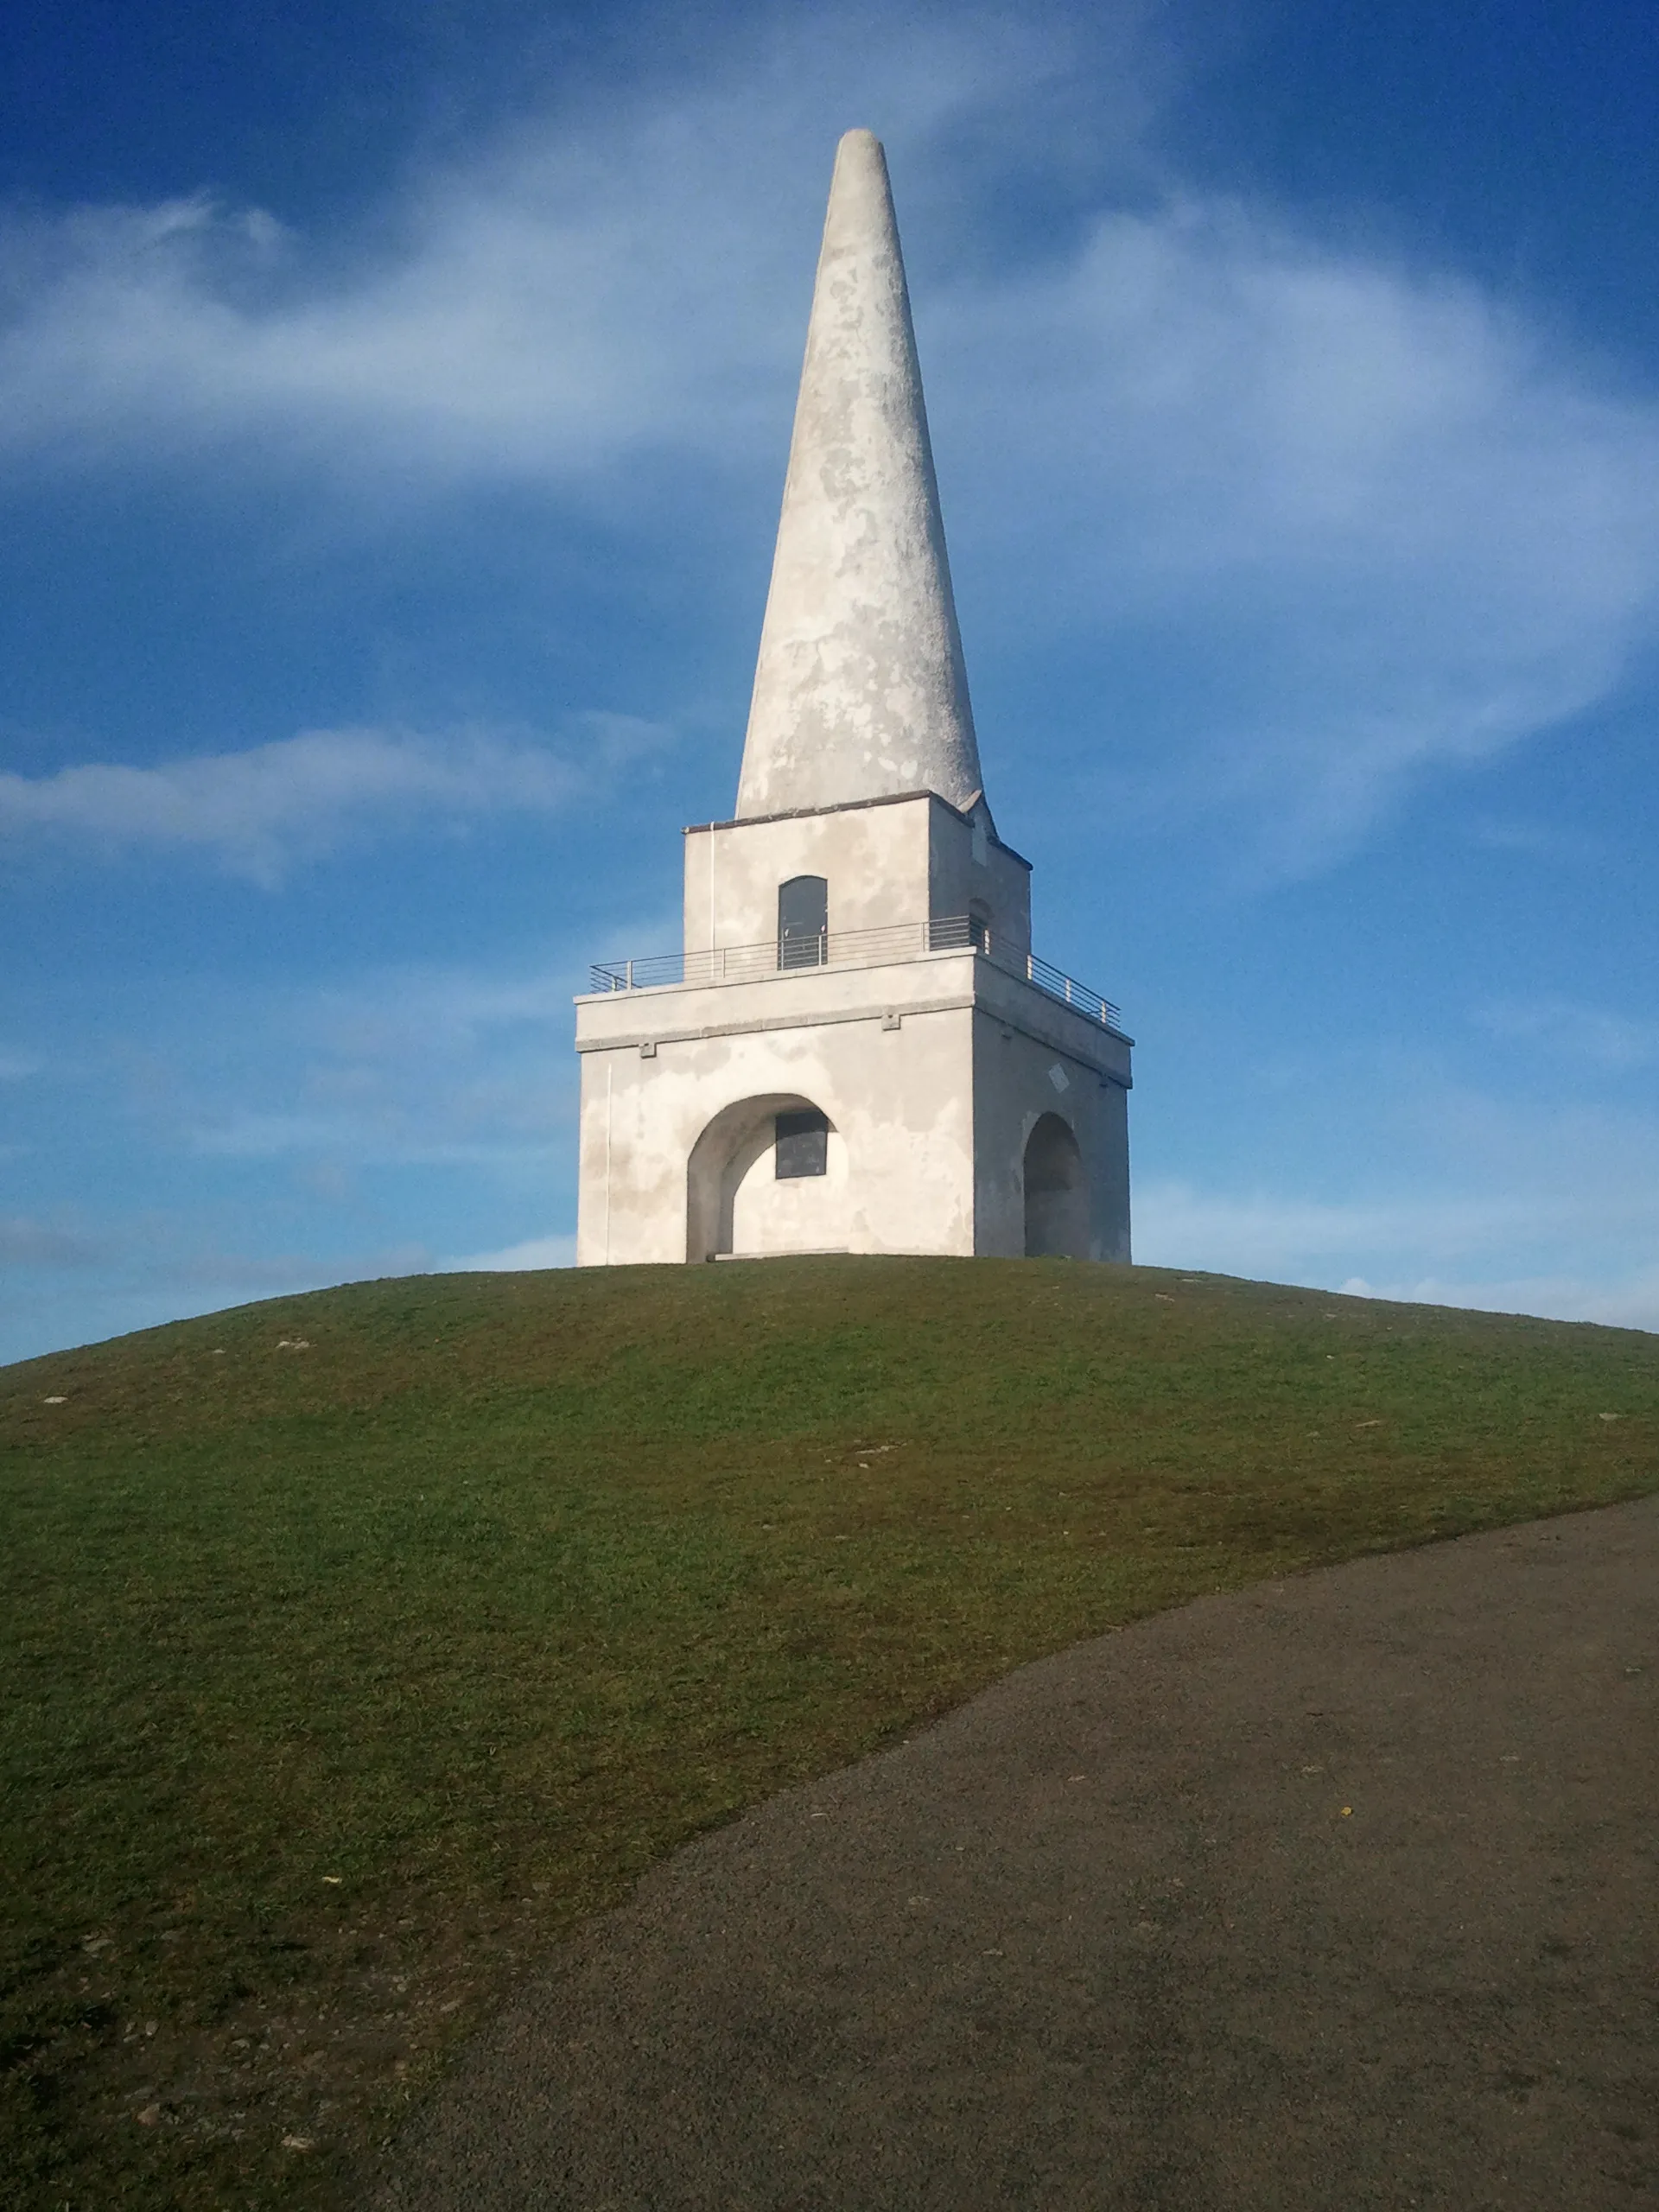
609, 1073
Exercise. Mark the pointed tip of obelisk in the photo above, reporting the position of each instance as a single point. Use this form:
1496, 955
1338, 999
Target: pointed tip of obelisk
860, 147
860, 212
860, 151
859, 690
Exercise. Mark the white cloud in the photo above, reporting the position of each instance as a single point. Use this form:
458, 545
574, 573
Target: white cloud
1554, 841
1416, 1185
1575, 1033
1591, 1203
1572, 1157
1266, 1233
17, 1067
400, 1067
1418, 533
1630, 1302
247, 1276
1292, 1240
25, 1243
1409, 534
1365, 504
628, 271
534, 1252
391, 1132
256, 812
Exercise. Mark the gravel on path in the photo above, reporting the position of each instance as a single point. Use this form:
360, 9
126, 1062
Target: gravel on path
1339, 1892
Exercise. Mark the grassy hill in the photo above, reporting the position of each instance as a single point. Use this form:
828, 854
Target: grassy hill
355, 1643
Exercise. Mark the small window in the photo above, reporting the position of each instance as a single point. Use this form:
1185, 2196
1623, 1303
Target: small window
802, 1147
804, 922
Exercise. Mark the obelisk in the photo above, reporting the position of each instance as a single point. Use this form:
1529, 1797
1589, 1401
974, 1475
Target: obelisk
855, 1049
859, 690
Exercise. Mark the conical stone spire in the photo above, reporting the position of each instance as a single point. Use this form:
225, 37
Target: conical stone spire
860, 691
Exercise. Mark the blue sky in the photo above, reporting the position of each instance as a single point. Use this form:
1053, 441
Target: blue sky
393, 409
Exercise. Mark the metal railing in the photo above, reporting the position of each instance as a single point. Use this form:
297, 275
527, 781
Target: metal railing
735, 963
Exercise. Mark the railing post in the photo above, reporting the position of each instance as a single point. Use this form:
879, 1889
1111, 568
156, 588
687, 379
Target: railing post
629, 985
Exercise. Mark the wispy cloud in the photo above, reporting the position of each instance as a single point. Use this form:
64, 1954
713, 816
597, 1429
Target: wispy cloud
1608, 1040
1410, 530
620, 274
1267, 1233
25, 1243
255, 813
401, 1068
1576, 1186
1551, 841
535, 1252
247, 1276
1443, 1190
1630, 1302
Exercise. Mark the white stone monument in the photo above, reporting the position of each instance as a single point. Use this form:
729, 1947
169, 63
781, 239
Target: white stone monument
857, 1050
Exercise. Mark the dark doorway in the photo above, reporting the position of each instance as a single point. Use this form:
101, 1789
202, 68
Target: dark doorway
802, 922
1057, 1194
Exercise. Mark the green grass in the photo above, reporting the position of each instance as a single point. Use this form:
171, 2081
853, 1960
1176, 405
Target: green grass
340, 1680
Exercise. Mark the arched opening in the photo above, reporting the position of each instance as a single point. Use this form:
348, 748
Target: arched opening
1057, 1193
767, 1175
804, 922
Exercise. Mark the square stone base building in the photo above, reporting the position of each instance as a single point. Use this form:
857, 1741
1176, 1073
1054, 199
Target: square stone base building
857, 1050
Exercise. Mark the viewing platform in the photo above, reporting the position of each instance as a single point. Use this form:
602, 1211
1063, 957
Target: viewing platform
843, 948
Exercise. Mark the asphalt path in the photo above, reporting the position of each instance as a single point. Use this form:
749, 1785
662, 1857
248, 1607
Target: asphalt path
1343, 1891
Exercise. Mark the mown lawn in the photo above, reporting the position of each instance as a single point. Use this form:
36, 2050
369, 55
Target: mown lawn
342, 1674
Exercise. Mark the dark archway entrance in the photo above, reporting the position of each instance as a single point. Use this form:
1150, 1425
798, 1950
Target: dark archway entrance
1057, 1194
782, 1140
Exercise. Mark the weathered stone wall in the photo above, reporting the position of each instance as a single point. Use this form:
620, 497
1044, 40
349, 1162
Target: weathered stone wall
1018, 1051
888, 1060
932, 1072
860, 689
887, 862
